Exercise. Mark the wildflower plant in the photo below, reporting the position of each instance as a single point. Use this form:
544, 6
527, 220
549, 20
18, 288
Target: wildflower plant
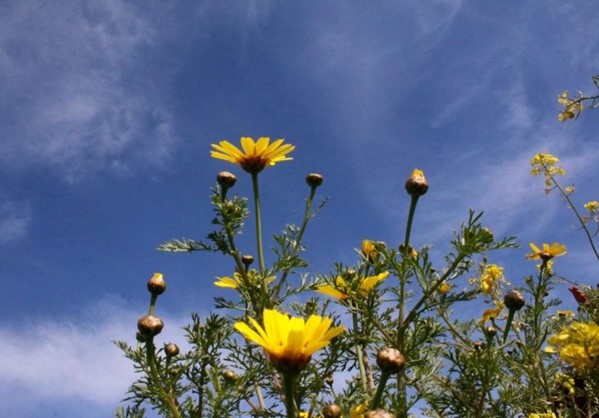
394, 333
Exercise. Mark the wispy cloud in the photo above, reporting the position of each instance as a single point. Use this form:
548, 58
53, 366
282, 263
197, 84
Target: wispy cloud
49, 362
15, 218
74, 93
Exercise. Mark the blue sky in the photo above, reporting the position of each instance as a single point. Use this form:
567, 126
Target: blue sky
107, 113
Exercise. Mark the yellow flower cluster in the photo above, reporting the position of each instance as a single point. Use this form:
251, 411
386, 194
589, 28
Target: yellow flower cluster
490, 279
546, 164
592, 206
542, 415
572, 108
577, 345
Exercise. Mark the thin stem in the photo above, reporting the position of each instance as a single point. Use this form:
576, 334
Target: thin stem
379, 390
155, 377
258, 217
359, 353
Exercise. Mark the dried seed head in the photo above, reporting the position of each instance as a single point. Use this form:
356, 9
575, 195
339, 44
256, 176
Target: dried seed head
226, 180
314, 180
171, 350
332, 411
378, 413
149, 326
514, 300
417, 185
390, 360
156, 284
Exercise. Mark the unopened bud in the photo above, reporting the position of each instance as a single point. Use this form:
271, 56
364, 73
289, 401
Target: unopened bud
149, 326
314, 180
247, 260
226, 180
329, 380
491, 331
479, 345
514, 300
230, 376
390, 360
156, 284
378, 413
417, 185
331, 411
486, 235
171, 350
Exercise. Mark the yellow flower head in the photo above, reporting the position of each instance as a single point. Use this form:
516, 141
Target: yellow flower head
572, 108
548, 251
369, 250
359, 411
577, 345
490, 314
288, 341
253, 156
342, 291
491, 277
546, 164
444, 288
253, 277
592, 206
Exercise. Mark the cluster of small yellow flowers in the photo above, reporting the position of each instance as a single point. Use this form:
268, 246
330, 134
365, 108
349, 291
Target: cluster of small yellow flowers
342, 290
490, 279
593, 208
565, 381
547, 252
546, 164
577, 345
358, 411
542, 415
444, 288
572, 108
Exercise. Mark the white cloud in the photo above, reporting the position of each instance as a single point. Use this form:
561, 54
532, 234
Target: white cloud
50, 362
74, 91
15, 218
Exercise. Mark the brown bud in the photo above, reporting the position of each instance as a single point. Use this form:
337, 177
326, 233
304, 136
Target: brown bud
230, 376
247, 260
156, 284
171, 349
149, 326
378, 413
390, 360
226, 180
491, 331
314, 180
331, 411
514, 300
417, 185
329, 380
479, 345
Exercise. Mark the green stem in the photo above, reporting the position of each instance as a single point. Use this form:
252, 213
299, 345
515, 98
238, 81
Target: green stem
258, 217
508, 324
360, 354
379, 390
155, 377
289, 382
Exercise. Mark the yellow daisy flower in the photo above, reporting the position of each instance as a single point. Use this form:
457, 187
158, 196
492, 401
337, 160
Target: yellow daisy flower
288, 341
548, 251
254, 155
233, 282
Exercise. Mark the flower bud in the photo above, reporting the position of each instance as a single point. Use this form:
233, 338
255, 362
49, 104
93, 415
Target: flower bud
479, 345
314, 180
329, 380
332, 411
390, 360
417, 185
230, 376
378, 413
514, 300
156, 284
226, 180
171, 350
486, 235
149, 326
491, 331
247, 260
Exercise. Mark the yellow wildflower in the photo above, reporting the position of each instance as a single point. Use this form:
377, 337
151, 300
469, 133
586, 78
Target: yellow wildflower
444, 288
288, 341
548, 251
491, 313
342, 290
546, 164
567, 382
254, 156
358, 411
369, 250
577, 345
562, 315
491, 276
542, 415
572, 108
592, 206
233, 282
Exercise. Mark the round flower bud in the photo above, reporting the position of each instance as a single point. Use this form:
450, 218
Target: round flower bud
378, 413
390, 360
156, 284
230, 376
331, 411
417, 185
226, 180
171, 350
247, 260
491, 331
514, 300
314, 180
479, 345
486, 235
329, 380
149, 326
